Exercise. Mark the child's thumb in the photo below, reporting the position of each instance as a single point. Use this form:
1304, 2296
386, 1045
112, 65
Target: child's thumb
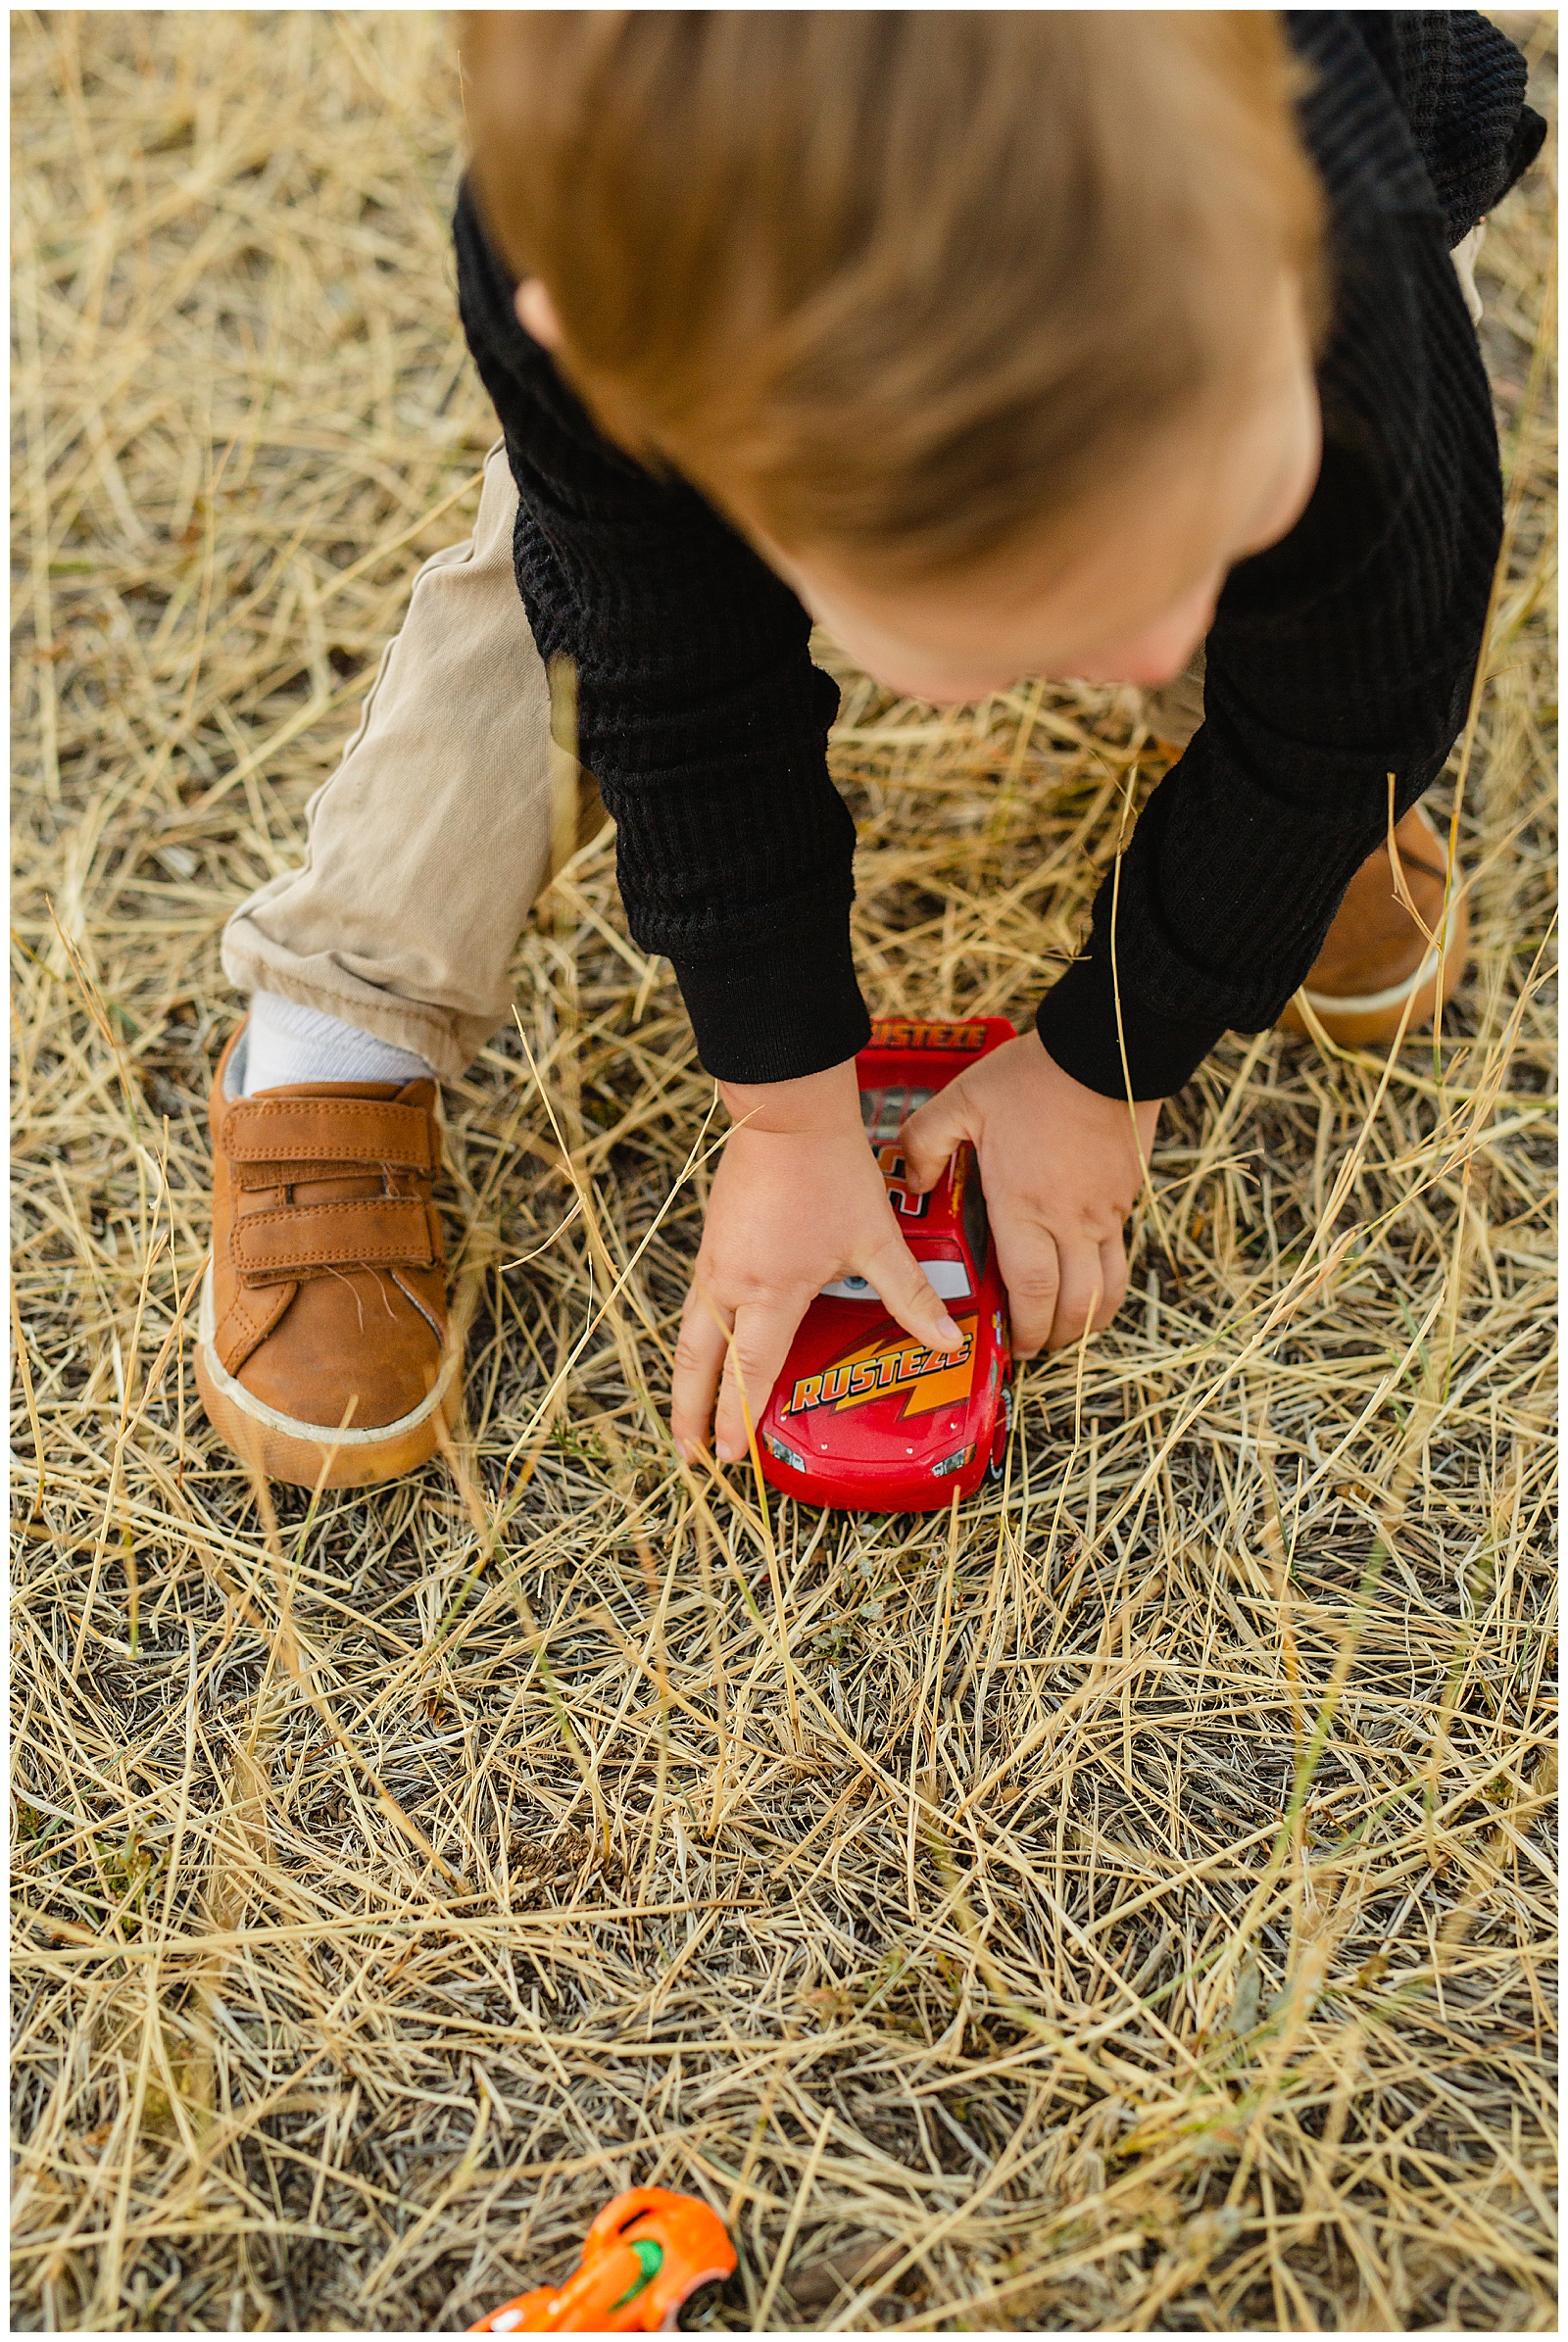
928, 1139
906, 1292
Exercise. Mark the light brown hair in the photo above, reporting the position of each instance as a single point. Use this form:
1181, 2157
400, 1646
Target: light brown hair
906, 283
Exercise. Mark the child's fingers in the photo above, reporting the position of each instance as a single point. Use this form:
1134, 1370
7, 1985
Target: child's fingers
758, 1349
929, 1136
1081, 1295
906, 1293
1031, 1270
1113, 1273
699, 1363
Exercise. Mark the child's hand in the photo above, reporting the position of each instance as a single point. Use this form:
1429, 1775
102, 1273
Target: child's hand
798, 1201
1060, 1171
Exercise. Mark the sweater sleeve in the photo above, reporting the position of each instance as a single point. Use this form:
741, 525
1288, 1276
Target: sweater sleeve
1341, 656
1460, 82
699, 712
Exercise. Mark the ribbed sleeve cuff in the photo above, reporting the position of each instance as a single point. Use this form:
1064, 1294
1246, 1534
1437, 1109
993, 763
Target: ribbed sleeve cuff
1077, 1022
1529, 137
780, 1008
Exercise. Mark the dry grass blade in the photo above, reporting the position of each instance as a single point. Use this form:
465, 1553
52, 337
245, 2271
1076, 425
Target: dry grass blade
1124, 1903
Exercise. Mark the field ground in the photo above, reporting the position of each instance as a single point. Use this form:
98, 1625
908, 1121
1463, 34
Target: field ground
1126, 1903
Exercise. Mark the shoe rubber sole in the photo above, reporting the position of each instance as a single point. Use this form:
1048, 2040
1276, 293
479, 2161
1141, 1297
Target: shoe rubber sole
309, 1455
1354, 1019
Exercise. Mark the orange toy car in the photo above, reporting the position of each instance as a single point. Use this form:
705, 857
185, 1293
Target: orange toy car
645, 2257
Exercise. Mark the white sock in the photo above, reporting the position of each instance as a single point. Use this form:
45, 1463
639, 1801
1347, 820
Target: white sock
284, 1043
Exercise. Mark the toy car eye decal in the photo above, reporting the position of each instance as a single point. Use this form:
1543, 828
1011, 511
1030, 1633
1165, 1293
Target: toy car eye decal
949, 1280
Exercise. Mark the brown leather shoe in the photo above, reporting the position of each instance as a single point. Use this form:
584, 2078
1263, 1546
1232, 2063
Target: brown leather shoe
321, 1354
1375, 958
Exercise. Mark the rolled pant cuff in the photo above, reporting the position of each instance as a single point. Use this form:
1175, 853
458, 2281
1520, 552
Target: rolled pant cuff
446, 1038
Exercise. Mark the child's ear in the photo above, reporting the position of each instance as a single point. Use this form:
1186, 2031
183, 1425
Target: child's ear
536, 312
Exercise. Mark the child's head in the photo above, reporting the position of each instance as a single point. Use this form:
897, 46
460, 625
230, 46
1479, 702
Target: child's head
991, 328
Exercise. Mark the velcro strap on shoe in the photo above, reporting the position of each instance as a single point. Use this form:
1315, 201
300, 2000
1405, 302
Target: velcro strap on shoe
251, 1177
330, 1130
304, 1239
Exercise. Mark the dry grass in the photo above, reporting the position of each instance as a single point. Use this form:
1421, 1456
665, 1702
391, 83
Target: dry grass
1129, 1900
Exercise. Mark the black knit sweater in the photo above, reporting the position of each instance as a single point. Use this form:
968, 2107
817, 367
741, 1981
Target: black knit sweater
1340, 654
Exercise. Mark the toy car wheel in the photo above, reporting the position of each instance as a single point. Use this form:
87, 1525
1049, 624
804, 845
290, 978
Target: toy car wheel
999, 1448
694, 2310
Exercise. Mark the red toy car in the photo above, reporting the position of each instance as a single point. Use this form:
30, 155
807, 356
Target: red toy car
862, 1416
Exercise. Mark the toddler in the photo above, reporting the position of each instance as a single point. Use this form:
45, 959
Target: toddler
1118, 346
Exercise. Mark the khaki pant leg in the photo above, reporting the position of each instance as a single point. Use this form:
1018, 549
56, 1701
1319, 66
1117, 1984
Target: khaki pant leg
427, 846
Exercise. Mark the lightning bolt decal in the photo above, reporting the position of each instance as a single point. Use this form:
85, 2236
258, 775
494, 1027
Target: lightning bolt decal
890, 1362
